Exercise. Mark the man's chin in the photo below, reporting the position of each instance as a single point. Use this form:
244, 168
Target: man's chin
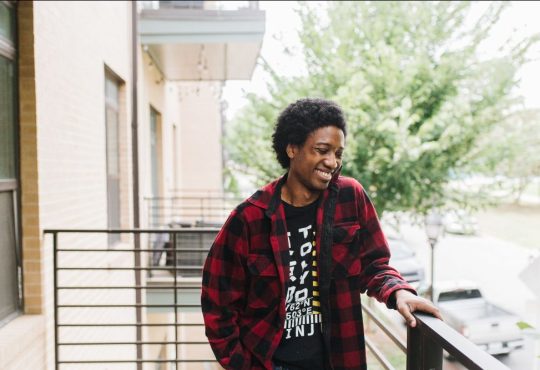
320, 185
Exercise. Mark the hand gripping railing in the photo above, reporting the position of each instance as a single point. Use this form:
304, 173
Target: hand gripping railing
426, 342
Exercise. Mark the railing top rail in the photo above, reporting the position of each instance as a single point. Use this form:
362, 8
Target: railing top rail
195, 197
187, 230
455, 344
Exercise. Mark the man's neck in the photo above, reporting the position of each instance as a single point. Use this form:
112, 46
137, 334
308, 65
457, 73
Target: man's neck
296, 194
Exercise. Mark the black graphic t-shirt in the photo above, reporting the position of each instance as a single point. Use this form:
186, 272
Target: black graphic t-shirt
301, 345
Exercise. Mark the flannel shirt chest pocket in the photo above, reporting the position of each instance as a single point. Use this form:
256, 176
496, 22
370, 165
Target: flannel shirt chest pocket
264, 285
346, 250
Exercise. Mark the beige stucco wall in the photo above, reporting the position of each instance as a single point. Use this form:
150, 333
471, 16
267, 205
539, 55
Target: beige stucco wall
190, 147
162, 96
201, 154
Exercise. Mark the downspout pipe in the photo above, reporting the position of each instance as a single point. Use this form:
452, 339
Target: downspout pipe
135, 174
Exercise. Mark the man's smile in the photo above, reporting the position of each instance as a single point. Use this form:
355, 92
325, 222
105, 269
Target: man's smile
324, 174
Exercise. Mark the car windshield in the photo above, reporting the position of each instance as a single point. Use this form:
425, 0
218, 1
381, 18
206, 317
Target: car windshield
399, 249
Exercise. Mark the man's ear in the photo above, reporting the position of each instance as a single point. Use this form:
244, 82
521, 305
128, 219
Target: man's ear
291, 150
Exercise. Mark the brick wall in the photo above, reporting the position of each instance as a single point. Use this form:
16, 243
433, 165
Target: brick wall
74, 42
29, 163
22, 340
63, 173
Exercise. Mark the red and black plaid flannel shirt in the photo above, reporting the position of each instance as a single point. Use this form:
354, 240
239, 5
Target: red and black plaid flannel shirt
245, 275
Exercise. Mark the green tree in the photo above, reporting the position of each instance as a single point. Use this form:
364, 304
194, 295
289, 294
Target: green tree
515, 159
416, 95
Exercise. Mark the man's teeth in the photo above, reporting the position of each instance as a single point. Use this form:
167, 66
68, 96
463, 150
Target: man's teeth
325, 174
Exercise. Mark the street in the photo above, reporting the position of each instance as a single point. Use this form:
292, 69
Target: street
494, 265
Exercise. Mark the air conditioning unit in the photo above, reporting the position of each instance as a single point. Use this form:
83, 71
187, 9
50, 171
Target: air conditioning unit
179, 4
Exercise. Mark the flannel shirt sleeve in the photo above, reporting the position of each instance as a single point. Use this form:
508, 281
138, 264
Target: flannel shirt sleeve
223, 293
378, 278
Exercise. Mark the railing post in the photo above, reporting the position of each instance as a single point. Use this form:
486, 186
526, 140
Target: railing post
422, 352
138, 298
55, 278
175, 290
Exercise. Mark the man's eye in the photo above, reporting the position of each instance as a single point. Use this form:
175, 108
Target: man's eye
321, 150
339, 155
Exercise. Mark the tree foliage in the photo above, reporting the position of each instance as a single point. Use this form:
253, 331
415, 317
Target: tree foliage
509, 153
416, 94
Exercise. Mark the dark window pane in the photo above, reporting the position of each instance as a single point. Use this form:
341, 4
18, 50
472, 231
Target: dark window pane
111, 92
154, 151
7, 118
112, 142
8, 258
113, 155
6, 22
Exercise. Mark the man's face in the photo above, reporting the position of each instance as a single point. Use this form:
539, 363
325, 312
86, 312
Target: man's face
314, 163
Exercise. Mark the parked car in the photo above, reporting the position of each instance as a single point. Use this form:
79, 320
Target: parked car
403, 259
489, 326
460, 222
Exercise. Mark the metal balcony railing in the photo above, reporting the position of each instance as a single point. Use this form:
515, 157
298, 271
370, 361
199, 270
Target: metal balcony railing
124, 307
425, 344
190, 210
193, 4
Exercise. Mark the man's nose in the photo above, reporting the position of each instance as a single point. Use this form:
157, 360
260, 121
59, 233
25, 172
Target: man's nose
331, 161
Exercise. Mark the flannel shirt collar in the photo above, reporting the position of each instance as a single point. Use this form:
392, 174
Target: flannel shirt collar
269, 197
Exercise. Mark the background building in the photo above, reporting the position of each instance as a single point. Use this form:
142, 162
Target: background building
69, 158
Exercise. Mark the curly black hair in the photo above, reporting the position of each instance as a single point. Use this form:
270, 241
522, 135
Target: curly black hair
300, 119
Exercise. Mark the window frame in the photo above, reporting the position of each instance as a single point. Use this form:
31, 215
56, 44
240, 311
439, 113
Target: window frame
109, 75
8, 50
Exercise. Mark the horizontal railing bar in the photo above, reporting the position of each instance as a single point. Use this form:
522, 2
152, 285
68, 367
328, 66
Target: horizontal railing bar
189, 215
191, 203
126, 305
125, 343
130, 361
378, 354
194, 207
127, 325
178, 204
132, 287
196, 221
214, 216
398, 341
456, 345
192, 250
193, 230
156, 268
194, 197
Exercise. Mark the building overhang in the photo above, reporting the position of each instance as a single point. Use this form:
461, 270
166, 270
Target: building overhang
200, 44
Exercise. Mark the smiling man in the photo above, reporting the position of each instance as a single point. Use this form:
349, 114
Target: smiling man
282, 281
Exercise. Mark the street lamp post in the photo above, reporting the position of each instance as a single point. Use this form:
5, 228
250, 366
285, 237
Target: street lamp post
434, 227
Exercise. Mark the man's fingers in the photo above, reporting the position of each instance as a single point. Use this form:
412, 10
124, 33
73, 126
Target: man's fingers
431, 309
434, 311
406, 311
407, 303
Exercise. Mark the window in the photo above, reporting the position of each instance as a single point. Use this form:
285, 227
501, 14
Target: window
10, 298
7, 23
10, 261
112, 88
155, 151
